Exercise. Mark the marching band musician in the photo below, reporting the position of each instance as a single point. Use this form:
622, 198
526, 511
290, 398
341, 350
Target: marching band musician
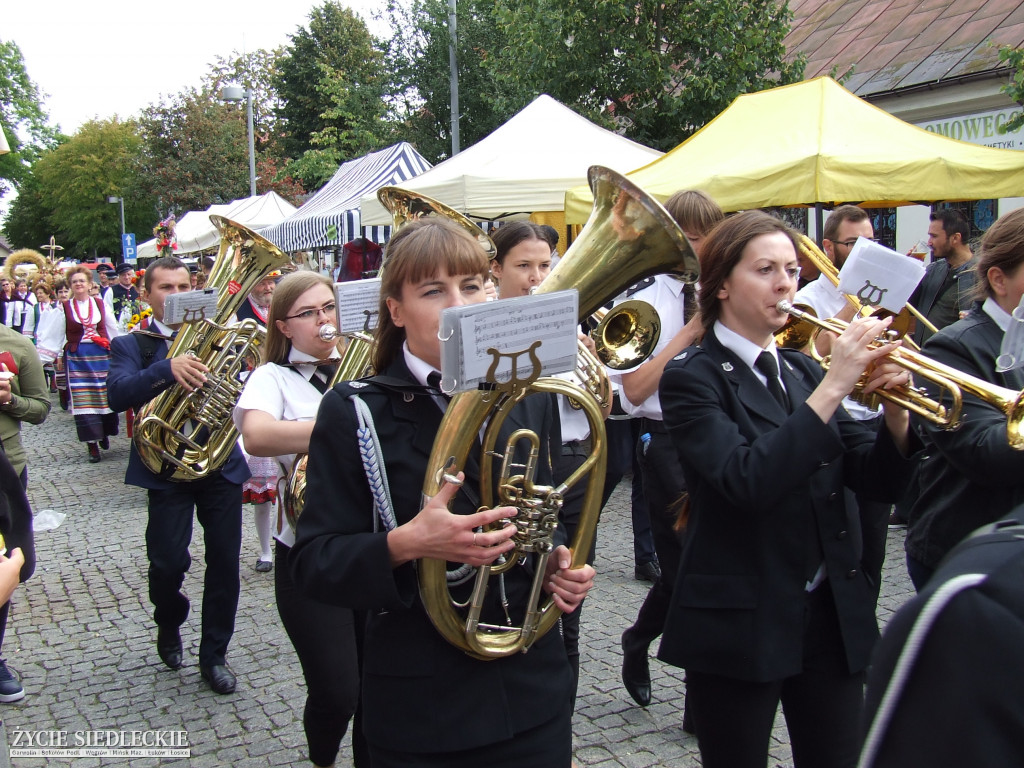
771, 603
696, 213
970, 475
275, 415
424, 701
139, 371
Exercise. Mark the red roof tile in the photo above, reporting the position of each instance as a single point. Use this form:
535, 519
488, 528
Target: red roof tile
894, 44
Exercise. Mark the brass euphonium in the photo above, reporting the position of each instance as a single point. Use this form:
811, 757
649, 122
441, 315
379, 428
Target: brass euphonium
950, 383
628, 237
405, 206
183, 435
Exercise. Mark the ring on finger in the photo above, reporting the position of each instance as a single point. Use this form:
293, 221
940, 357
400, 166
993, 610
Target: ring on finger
474, 540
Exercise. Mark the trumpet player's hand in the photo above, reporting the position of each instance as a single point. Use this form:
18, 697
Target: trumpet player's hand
567, 586
889, 376
437, 533
853, 352
189, 371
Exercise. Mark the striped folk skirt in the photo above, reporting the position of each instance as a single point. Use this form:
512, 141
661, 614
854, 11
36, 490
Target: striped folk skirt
87, 382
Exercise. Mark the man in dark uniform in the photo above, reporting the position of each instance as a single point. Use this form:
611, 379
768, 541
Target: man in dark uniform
139, 371
123, 291
257, 306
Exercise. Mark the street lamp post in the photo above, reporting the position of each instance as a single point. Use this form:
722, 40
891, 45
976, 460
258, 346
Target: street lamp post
120, 202
236, 93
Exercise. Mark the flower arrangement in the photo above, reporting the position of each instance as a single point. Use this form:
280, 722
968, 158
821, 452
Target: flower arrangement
166, 244
137, 318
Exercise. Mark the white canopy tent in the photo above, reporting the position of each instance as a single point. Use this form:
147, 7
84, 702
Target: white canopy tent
524, 166
331, 216
195, 232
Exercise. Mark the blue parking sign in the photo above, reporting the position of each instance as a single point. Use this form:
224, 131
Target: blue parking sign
128, 247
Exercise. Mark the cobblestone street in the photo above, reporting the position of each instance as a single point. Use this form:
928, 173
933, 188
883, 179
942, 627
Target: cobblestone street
82, 639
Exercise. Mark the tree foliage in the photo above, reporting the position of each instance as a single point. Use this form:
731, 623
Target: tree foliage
332, 84
196, 153
1014, 58
659, 70
75, 179
22, 117
418, 51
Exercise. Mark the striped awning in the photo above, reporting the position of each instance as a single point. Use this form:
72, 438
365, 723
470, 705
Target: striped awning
331, 216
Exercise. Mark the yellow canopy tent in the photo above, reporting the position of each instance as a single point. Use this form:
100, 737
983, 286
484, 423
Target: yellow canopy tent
815, 142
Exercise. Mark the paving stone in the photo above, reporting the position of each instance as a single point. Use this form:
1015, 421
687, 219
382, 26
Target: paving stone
82, 638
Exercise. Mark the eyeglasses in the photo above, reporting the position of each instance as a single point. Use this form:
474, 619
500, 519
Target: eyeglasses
853, 242
309, 314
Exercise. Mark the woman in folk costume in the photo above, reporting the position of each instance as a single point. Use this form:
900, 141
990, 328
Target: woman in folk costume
78, 335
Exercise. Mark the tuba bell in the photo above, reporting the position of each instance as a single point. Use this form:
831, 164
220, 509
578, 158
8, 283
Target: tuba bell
183, 435
628, 237
405, 206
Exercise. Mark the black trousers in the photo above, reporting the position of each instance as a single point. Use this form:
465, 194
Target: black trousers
573, 456
663, 487
822, 704
5, 611
218, 506
324, 638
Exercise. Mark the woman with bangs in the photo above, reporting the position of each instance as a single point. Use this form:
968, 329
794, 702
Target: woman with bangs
424, 701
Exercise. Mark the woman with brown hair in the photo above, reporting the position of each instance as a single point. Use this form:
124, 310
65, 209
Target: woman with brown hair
275, 415
770, 602
972, 477
425, 702
77, 335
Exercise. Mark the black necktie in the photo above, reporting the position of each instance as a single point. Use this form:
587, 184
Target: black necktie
766, 364
320, 378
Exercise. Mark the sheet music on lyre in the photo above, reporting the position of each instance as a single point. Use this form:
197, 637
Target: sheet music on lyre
527, 332
191, 306
358, 304
879, 276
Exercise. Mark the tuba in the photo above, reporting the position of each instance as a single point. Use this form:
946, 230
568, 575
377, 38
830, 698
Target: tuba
628, 237
183, 435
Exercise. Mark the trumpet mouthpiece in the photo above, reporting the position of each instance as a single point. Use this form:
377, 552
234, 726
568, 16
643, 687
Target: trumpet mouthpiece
328, 332
784, 306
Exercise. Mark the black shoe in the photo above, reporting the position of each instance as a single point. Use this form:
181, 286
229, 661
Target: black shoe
94, 453
220, 677
264, 566
105, 444
168, 646
649, 571
895, 521
636, 674
10, 685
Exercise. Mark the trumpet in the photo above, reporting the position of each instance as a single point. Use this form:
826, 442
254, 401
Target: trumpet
950, 383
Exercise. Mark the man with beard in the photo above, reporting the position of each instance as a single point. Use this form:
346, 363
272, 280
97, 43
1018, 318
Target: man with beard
123, 292
947, 289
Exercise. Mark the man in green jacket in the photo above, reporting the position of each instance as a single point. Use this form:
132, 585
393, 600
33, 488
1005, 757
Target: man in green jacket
23, 397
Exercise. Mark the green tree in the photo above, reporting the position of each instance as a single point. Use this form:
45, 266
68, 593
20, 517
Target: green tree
75, 179
657, 70
418, 51
27, 224
22, 117
1013, 58
332, 83
196, 153
255, 71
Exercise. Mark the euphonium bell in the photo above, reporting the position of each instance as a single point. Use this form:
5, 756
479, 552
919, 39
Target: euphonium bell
404, 206
628, 237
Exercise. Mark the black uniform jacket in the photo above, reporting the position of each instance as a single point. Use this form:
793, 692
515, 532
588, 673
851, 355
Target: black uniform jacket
962, 701
972, 476
420, 693
761, 481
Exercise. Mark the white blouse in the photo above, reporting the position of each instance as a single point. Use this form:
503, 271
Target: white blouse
52, 335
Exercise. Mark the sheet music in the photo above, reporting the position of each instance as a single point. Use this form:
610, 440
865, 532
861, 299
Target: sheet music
358, 302
880, 276
191, 306
529, 331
